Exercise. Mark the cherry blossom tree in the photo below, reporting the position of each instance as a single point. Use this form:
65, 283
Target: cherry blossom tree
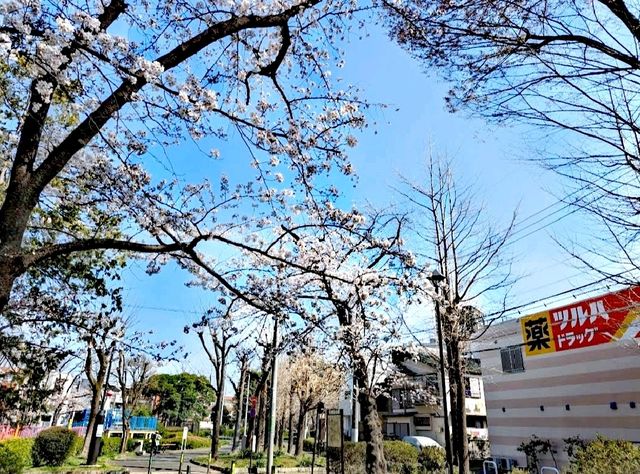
332, 277
86, 113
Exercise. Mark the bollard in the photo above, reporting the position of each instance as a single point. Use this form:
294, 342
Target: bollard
188, 469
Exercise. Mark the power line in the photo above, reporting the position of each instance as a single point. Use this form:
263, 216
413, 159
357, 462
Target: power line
555, 295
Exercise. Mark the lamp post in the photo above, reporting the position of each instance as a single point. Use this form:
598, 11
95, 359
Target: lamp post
437, 278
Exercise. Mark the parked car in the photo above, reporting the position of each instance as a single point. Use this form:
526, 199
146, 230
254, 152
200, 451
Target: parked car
420, 441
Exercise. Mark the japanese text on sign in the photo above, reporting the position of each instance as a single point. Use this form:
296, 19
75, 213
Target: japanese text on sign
587, 323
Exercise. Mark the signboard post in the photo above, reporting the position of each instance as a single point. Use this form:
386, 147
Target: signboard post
335, 442
183, 445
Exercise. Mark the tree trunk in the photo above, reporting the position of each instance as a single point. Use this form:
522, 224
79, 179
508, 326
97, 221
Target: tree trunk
260, 420
302, 414
125, 424
219, 409
239, 407
125, 435
280, 431
453, 398
93, 416
462, 448
290, 425
375, 462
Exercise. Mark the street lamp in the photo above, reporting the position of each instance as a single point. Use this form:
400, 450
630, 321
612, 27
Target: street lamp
436, 279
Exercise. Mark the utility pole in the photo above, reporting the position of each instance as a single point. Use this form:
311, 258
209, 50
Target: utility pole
437, 278
272, 396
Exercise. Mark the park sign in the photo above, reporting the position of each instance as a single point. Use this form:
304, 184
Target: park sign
587, 323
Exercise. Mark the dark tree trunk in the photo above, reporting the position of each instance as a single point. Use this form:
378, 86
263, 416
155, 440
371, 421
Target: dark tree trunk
280, 431
290, 425
239, 406
219, 408
260, 420
125, 434
461, 449
375, 462
251, 431
93, 416
453, 399
266, 422
302, 414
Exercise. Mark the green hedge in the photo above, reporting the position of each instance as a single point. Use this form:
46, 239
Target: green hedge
307, 444
78, 444
606, 455
432, 458
21, 447
15, 455
110, 446
53, 446
193, 442
401, 457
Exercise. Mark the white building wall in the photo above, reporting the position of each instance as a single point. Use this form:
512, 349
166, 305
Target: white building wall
559, 394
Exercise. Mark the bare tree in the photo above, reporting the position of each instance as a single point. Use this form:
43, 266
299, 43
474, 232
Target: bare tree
313, 380
572, 68
133, 374
472, 256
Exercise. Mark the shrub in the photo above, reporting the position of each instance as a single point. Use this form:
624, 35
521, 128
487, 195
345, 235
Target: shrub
10, 461
305, 461
132, 443
53, 446
20, 447
195, 442
354, 453
111, 446
432, 458
606, 455
78, 444
398, 454
307, 444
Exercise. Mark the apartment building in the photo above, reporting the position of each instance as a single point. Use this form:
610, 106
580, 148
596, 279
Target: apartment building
569, 371
412, 404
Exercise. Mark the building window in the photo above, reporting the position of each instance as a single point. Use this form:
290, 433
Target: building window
396, 429
472, 387
422, 422
512, 359
401, 399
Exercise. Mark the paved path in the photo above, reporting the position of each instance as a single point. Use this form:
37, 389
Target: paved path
165, 462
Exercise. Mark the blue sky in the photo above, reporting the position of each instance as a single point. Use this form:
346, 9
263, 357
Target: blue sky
491, 158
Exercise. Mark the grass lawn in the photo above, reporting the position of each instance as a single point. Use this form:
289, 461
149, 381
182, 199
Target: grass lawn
77, 463
284, 460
